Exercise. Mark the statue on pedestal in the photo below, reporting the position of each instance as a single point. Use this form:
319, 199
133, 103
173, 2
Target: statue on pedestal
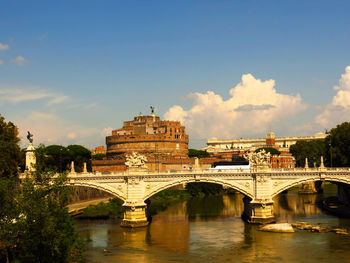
30, 154
30, 137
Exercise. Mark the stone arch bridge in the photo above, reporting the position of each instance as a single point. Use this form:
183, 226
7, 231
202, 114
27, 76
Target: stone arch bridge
259, 187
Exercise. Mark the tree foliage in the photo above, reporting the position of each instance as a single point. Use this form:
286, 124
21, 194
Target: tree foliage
197, 153
59, 158
98, 156
196, 189
313, 150
10, 153
34, 224
338, 145
270, 150
47, 232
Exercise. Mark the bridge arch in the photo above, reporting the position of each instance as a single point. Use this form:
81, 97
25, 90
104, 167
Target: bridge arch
285, 186
107, 189
243, 189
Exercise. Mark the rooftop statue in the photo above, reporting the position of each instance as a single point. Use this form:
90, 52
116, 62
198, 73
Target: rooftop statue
30, 137
152, 109
135, 160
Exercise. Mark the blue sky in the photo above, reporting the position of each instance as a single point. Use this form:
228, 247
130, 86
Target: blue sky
72, 70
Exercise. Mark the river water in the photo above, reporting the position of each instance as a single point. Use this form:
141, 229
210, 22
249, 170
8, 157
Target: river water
210, 229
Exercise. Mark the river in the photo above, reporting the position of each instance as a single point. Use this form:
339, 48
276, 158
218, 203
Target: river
210, 229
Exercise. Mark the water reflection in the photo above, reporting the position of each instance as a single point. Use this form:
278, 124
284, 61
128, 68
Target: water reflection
210, 229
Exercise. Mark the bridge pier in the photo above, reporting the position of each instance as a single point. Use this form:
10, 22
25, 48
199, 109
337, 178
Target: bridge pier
134, 215
258, 212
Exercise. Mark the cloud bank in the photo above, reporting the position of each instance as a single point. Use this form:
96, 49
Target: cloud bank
338, 110
17, 95
253, 106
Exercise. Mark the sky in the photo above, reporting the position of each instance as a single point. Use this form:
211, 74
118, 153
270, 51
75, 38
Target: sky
71, 71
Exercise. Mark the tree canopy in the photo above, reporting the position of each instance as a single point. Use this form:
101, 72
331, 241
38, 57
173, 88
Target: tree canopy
10, 153
34, 224
313, 150
338, 146
197, 153
59, 158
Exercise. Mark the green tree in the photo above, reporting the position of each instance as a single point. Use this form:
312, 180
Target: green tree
98, 156
197, 153
47, 232
313, 150
59, 158
197, 189
10, 153
9, 213
338, 146
80, 155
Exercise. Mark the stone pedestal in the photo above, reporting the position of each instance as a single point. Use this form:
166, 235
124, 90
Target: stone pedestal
258, 212
30, 158
307, 188
134, 215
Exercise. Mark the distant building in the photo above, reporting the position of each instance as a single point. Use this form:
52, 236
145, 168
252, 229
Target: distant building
99, 150
237, 147
164, 143
215, 145
149, 136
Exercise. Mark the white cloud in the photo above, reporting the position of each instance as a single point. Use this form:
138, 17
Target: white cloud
4, 46
106, 132
253, 106
338, 110
72, 135
50, 128
19, 61
17, 95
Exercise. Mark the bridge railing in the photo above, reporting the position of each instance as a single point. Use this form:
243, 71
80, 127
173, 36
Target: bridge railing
210, 171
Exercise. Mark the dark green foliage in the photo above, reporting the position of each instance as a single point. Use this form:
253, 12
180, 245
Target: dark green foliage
47, 232
98, 156
338, 146
80, 155
313, 150
10, 153
270, 150
237, 158
34, 224
59, 158
197, 189
9, 213
197, 153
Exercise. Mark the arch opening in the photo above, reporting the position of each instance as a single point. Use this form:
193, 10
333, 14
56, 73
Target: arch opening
224, 184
